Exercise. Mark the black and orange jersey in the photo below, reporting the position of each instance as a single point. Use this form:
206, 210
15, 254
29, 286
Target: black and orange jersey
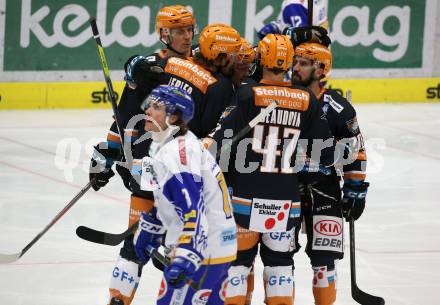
344, 126
210, 91
261, 171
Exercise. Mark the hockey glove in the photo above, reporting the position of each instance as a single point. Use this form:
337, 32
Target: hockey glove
185, 263
102, 160
149, 233
140, 71
353, 201
270, 28
314, 33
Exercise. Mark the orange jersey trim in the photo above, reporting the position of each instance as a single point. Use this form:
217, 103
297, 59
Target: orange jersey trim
354, 176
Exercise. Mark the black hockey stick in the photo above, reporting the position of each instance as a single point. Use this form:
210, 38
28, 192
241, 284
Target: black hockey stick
104, 238
10, 258
310, 12
357, 294
111, 239
108, 83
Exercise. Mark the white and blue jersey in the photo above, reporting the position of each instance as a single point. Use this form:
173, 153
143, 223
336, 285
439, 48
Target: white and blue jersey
294, 14
191, 198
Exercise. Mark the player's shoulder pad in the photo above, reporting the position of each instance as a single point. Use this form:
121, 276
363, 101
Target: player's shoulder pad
291, 97
200, 77
182, 154
245, 91
153, 58
337, 102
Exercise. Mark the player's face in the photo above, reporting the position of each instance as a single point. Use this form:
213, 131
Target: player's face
227, 68
181, 39
302, 71
241, 71
155, 117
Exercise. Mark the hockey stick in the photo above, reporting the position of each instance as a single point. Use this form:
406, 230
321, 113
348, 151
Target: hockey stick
357, 294
10, 258
310, 12
104, 238
257, 119
108, 82
110, 239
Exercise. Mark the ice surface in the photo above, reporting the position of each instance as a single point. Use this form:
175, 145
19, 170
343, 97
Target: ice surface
398, 245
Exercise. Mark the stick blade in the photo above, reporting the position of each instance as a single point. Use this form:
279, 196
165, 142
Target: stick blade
103, 238
365, 298
91, 235
9, 258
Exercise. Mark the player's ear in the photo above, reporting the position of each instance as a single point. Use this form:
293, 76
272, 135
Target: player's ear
319, 72
173, 119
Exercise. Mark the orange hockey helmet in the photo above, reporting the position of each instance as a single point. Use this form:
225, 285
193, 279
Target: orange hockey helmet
247, 52
276, 51
174, 16
317, 53
219, 38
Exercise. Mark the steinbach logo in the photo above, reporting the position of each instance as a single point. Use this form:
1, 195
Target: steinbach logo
102, 96
225, 38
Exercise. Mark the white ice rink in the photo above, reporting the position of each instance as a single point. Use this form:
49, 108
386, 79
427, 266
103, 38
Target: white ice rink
398, 241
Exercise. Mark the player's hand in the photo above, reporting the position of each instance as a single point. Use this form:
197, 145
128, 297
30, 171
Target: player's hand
184, 264
101, 162
304, 34
353, 201
270, 28
150, 232
140, 71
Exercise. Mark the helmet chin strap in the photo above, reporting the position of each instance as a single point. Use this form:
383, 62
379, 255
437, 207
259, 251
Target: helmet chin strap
168, 44
163, 134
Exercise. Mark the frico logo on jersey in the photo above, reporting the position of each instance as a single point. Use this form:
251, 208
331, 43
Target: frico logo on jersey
327, 233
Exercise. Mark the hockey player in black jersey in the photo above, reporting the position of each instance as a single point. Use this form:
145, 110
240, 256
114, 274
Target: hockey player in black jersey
265, 210
321, 203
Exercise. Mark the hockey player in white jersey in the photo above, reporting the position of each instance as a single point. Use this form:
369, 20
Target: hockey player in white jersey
294, 14
192, 204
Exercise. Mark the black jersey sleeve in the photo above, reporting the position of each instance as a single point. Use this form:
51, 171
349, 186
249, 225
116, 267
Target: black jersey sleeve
349, 136
317, 135
218, 97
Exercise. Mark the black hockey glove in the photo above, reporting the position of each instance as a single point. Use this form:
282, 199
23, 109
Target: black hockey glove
102, 160
314, 33
353, 201
140, 71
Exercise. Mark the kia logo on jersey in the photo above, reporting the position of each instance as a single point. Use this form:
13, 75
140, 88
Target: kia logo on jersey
328, 227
